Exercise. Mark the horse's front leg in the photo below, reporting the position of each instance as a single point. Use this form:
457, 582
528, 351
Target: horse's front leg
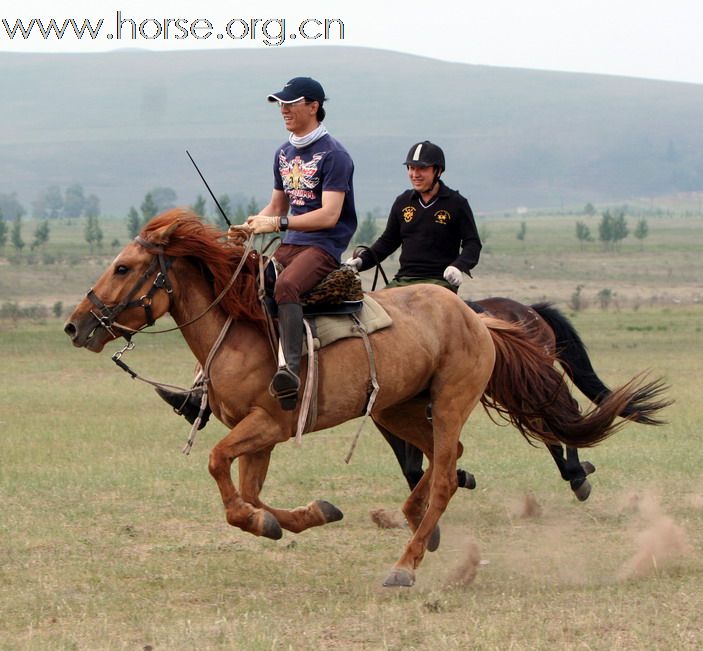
252, 472
255, 433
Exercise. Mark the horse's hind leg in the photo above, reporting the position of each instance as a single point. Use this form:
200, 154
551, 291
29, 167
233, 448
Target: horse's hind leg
252, 472
409, 458
440, 478
578, 471
557, 452
408, 426
572, 469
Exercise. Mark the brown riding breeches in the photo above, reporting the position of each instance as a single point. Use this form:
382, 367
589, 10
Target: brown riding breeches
304, 267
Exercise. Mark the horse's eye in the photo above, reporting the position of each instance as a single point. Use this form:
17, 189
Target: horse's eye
121, 269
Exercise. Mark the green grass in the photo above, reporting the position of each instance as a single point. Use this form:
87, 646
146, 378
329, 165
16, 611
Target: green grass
112, 539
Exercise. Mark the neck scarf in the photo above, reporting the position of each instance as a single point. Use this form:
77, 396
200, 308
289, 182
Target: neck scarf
303, 141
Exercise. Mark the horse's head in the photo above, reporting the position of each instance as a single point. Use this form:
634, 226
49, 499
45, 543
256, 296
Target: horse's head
131, 293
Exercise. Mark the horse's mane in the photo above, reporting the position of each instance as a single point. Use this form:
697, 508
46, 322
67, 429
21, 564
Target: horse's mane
184, 235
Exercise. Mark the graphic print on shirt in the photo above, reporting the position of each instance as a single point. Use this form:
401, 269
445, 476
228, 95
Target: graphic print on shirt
409, 213
299, 177
442, 217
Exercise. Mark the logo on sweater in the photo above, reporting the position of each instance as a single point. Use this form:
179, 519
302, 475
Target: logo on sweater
442, 217
409, 213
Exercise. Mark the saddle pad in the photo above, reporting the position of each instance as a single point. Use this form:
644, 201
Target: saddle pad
328, 329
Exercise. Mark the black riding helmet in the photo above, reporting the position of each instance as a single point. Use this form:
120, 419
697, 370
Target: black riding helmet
426, 154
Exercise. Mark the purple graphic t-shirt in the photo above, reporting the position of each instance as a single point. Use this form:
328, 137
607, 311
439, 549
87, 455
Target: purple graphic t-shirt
303, 174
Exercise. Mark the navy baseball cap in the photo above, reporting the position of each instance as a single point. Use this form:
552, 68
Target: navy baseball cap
299, 88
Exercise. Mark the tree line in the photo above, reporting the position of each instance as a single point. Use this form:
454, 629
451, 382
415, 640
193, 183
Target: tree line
612, 229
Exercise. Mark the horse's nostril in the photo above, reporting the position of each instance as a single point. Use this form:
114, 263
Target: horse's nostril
70, 330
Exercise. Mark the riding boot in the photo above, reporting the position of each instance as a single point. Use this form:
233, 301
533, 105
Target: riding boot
286, 381
185, 403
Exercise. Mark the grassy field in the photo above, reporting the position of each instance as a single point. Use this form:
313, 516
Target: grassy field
112, 539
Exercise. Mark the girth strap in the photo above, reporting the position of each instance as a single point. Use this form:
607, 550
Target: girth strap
373, 386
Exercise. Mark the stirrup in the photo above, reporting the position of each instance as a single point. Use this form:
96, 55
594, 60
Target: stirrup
284, 386
185, 403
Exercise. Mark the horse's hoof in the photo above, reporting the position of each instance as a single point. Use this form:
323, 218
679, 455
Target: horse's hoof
433, 540
582, 490
329, 511
271, 528
588, 467
465, 479
399, 578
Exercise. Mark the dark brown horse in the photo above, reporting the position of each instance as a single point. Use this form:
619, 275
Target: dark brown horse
437, 350
561, 338
553, 330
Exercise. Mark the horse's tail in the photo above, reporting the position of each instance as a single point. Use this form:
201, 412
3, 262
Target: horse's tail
527, 390
573, 357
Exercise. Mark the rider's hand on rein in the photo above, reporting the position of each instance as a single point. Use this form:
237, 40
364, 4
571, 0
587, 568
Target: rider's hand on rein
264, 224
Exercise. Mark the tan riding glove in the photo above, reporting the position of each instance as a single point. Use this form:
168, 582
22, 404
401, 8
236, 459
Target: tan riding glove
263, 224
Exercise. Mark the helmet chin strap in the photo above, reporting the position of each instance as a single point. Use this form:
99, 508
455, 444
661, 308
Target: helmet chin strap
435, 180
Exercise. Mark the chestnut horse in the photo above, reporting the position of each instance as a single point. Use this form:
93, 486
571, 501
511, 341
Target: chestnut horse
437, 350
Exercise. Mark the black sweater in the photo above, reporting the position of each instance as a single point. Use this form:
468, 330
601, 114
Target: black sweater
431, 236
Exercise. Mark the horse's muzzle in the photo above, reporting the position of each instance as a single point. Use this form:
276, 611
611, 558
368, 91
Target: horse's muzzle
85, 331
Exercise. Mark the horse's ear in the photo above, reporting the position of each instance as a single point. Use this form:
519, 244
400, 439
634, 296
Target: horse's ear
162, 235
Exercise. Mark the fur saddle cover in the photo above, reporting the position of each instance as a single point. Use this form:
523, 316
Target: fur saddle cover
340, 286
328, 329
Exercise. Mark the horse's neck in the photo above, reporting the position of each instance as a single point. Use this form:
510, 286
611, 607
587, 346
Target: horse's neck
192, 297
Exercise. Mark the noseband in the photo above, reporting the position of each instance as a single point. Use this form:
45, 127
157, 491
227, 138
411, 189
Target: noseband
107, 315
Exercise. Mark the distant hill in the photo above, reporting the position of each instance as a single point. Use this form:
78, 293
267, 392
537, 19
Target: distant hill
119, 123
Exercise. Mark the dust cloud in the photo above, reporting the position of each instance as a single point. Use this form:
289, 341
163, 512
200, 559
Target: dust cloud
659, 540
528, 507
465, 572
385, 519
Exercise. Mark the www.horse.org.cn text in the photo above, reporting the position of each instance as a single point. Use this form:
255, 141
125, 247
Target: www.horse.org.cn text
271, 32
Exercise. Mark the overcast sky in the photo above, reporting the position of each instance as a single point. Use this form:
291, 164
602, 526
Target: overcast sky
659, 39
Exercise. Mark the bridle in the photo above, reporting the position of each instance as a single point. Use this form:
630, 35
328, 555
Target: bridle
106, 315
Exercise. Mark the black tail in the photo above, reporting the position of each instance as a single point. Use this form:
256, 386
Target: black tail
573, 357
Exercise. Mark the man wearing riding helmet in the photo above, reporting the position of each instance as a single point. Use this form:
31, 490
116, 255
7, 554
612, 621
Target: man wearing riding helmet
433, 225
435, 228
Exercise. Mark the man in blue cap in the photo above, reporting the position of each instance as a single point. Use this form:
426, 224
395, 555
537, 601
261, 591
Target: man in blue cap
312, 175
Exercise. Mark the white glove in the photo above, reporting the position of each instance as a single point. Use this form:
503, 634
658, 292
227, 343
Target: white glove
453, 276
354, 262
